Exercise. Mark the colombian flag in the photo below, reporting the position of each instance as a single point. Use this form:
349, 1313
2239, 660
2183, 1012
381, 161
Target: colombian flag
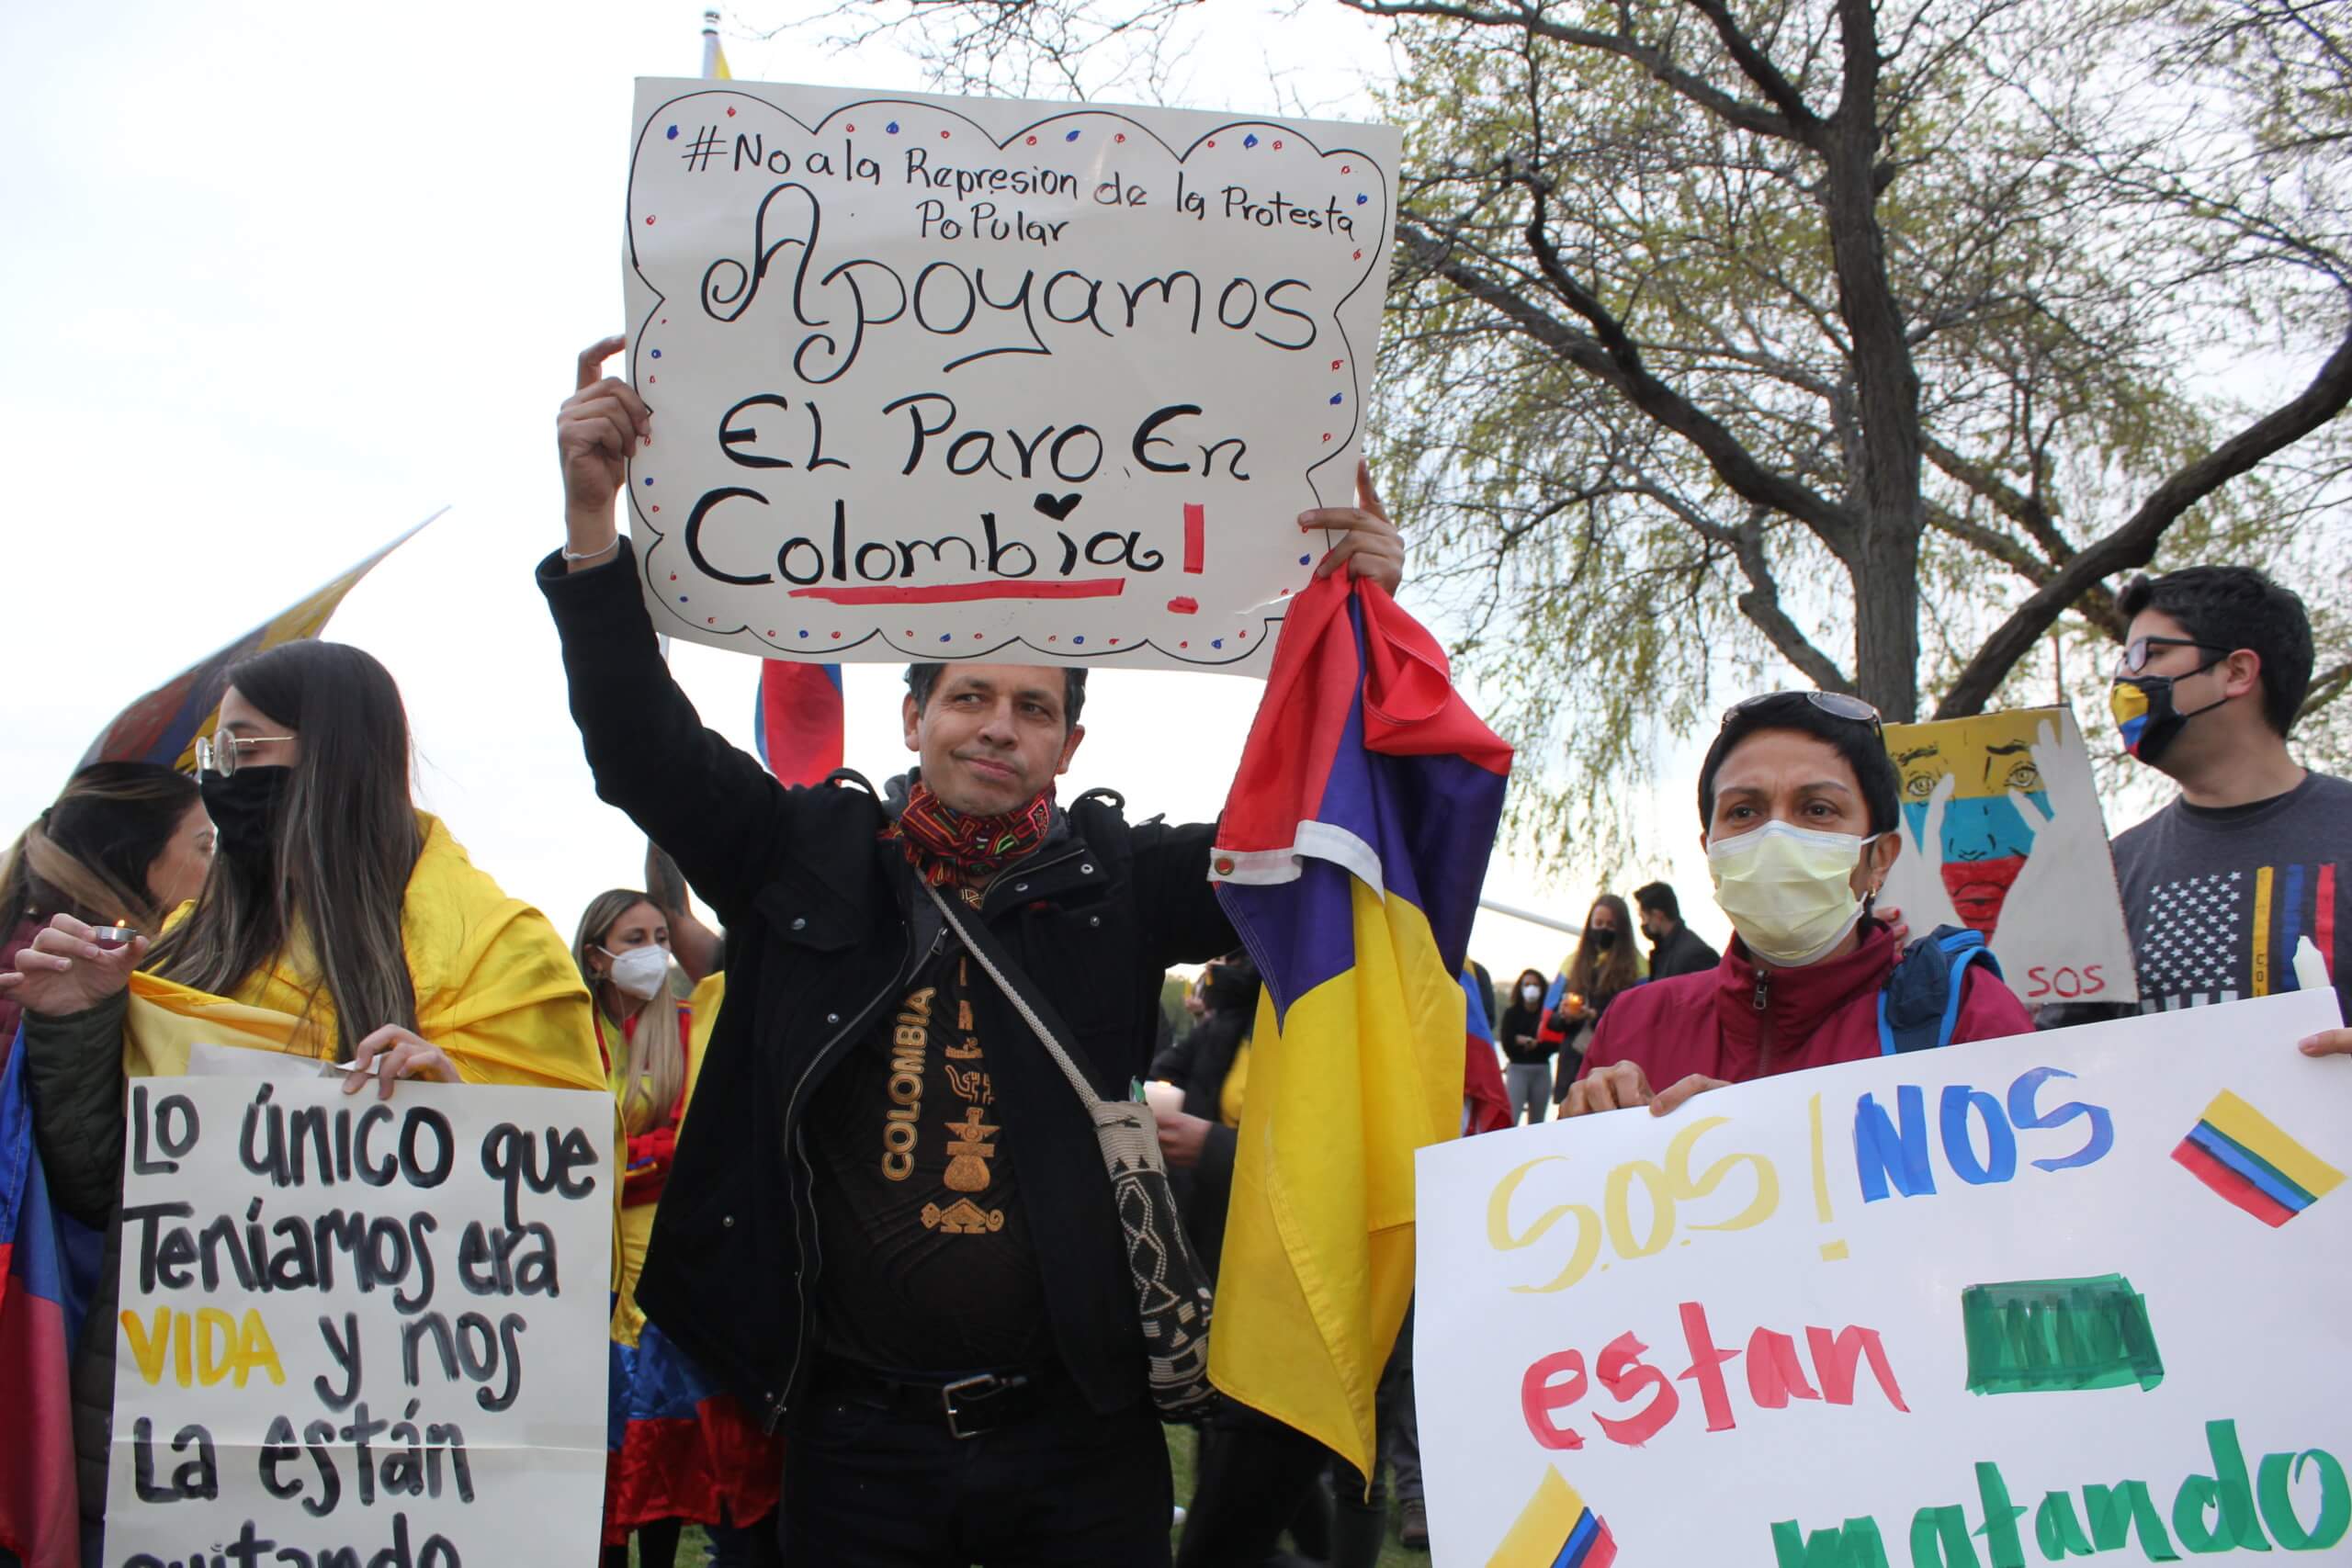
2247, 1159
162, 727
1350, 857
49, 1264
797, 724
1486, 1104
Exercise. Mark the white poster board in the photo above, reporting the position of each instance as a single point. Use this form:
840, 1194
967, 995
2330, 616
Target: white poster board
2002, 833
347, 1325
1990, 1304
940, 378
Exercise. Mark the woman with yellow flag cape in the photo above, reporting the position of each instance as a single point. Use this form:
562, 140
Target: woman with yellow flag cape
337, 922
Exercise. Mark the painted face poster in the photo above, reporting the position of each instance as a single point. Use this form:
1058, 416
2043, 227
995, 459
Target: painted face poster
940, 378
355, 1331
2071, 1294
2002, 833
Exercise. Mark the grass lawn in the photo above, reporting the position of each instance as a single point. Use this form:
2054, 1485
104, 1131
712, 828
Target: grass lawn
692, 1545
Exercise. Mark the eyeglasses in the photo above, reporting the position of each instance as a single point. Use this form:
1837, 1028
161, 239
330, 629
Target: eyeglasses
2136, 652
217, 752
1837, 705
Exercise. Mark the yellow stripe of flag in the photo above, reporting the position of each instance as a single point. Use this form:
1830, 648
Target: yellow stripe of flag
2257, 1134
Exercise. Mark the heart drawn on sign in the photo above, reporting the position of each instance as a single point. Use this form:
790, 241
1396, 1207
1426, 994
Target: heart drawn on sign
1058, 509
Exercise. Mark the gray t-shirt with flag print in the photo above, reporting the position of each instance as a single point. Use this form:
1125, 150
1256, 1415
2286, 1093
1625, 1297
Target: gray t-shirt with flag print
2219, 900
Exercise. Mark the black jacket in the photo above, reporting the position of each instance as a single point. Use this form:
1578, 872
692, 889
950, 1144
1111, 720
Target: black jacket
823, 938
1198, 1064
1682, 952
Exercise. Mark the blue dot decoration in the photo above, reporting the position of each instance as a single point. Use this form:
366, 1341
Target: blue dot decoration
648, 480
1071, 136
657, 353
1077, 640
1250, 139
944, 636
892, 127
1218, 642
673, 133
1361, 198
682, 598
804, 635
1337, 399
1307, 560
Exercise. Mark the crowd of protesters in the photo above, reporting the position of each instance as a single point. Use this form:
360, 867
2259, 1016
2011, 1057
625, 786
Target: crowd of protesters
871, 1307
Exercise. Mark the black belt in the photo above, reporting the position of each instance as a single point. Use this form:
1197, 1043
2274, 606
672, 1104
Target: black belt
970, 1404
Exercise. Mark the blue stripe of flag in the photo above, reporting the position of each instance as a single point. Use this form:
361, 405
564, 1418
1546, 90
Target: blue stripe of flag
2218, 1144
1579, 1541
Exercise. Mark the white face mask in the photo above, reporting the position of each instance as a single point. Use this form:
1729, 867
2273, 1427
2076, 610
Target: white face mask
641, 971
1531, 995
1788, 890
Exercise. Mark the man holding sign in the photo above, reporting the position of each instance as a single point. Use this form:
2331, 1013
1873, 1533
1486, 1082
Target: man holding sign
890, 1230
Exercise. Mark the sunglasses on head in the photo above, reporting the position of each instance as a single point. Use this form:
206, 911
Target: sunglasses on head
1837, 705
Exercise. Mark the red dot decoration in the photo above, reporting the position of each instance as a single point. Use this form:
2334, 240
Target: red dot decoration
1278, 146
943, 136
851, 128
771, 631
1337, 363
674, 577
1358, 255
712, 620
1211, 140
649, 220
731, 112
657, 509
837, 636
1183, 645
1326, 435
1114, 642
1033, 141
1347, 168
1121, 137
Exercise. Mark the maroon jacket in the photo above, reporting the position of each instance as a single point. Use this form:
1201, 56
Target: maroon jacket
1736, 1022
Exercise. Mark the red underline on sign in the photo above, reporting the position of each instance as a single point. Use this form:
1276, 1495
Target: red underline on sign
964, 593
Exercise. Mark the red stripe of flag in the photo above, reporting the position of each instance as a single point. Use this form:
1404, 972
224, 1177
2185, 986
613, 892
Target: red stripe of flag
2231, 1187
2324, 920
800, 720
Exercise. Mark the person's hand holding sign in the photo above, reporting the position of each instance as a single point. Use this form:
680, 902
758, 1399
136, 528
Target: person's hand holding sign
596, 430
1370, 545
393, 1052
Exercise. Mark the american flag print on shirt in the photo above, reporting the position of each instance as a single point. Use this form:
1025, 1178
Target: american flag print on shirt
2230, 934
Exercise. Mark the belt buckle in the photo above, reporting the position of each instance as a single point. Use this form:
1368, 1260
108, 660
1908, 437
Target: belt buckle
982, 1385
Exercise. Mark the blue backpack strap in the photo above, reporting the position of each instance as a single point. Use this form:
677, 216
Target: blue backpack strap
1919, 1008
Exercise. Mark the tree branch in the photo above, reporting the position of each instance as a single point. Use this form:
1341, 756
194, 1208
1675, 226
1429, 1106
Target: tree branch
1760, 70
2134, 542
1755, 117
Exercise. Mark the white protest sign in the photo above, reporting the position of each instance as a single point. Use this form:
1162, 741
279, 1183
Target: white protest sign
2003, 834
358, 1332
2070, 1294
941, 377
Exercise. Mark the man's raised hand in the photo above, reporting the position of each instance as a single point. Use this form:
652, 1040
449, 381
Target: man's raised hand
1369, 546
597, 428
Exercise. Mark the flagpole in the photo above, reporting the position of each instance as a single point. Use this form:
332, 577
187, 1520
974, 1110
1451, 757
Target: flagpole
1519, 914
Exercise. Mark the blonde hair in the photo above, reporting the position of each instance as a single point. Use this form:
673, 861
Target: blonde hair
655, 1069
87, 855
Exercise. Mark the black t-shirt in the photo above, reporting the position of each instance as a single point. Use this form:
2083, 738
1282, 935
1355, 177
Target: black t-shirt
927, 1265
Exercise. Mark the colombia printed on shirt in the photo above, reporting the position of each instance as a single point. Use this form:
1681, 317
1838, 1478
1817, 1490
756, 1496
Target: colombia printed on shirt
2002, 833
920, 1216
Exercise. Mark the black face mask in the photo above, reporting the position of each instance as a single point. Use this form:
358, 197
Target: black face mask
2145, 714
244, 807
1604, 939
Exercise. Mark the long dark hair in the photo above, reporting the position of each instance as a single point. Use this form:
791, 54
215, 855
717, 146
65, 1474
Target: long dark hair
1593, 974
88, 855
346, 844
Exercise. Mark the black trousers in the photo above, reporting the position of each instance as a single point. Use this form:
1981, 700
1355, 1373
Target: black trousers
872, 1487
1254, 1475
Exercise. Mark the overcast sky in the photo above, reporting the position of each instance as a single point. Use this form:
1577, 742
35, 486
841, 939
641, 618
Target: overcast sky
281, 282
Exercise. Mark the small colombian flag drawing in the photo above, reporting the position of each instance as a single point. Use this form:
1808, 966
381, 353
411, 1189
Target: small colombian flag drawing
1555, 1530
2242, 1155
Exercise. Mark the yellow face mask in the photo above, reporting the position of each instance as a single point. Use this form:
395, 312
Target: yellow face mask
1788, 891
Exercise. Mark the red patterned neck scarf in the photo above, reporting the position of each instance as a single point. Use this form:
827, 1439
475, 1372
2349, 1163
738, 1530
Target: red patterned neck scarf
948, 846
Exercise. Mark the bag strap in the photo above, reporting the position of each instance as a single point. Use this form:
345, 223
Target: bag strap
981, 943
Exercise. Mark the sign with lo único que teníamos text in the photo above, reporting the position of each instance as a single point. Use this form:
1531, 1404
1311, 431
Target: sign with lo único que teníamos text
360, 1332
